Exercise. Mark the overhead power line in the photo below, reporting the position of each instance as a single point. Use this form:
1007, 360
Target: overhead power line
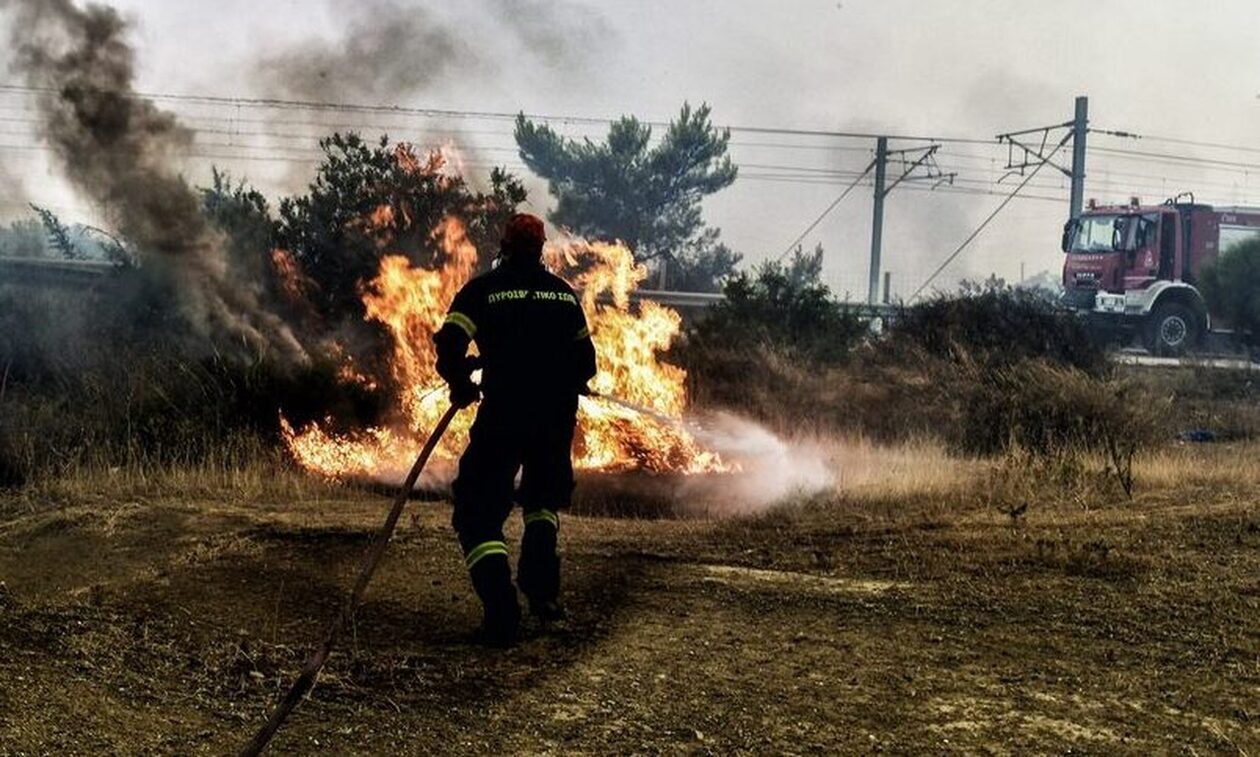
826, 212
1180, 141
282, 104
1171, 157
989, 218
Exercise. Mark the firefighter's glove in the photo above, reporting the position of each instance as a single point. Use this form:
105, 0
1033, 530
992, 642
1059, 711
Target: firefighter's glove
464, 394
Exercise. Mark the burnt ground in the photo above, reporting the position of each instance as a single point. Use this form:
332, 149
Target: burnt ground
161, 625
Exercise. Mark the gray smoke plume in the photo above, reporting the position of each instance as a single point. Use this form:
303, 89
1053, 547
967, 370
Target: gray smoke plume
557, 33
12, 190
392, 49
118, 149
389, 48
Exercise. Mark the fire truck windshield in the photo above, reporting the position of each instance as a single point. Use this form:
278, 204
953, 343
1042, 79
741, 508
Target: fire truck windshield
1104, 233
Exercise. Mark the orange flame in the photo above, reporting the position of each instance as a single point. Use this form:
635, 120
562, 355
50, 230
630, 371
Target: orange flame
295, 285
645, 431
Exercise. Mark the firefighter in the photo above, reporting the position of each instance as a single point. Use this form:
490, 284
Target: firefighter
536, 356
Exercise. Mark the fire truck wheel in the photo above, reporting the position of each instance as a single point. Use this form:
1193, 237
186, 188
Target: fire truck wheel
1172, 329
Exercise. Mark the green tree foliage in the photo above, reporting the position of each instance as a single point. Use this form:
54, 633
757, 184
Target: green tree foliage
786, 307
23, 239
327, 229
704, 265
1232, 287
58, 234
647, 195
804, 269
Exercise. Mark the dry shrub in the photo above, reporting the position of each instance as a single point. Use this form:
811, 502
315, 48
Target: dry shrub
1046, 409
887, 400
1224, 401
988, 372
974, 407
1018, 481
996, 325
102, 377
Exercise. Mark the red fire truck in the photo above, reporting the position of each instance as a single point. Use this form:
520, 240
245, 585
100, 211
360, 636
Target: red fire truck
1136, 266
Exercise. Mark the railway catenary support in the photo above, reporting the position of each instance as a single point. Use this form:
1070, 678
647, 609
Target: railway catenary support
1080, 128
917, 164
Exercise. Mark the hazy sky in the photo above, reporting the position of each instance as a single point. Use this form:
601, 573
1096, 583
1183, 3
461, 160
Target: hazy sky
969, 68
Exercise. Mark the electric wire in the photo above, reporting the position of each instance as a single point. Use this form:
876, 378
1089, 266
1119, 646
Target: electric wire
309, 105
1186, 142
240, 145
988, 219
791, 246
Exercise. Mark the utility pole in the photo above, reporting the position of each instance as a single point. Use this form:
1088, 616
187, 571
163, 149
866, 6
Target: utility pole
1029, 149
887, 287
877, 222
1080, 127
910, 161
1027, 152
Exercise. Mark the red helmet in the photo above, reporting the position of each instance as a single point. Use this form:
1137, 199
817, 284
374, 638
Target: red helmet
524, 233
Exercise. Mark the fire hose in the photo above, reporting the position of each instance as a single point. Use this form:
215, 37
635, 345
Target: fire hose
310, 671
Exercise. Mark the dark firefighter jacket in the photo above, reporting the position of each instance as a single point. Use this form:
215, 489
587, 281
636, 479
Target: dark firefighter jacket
530, 333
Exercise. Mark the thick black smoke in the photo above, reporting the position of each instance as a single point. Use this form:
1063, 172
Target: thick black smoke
118, 149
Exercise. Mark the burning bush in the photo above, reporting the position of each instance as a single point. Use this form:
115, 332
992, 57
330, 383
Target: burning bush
369, 201
114, 377
411, 303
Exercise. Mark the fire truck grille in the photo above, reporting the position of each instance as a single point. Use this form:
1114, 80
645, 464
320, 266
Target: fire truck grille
1080, 299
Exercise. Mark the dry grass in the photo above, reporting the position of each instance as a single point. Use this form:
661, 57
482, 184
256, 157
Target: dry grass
869, 470
904, 613
263, 479
1182, 464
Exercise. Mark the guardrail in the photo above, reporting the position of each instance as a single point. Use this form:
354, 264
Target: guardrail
72, 274
80, 273
1219, 362
700, 300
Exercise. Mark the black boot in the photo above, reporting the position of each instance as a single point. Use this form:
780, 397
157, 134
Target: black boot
538, 572
492, 578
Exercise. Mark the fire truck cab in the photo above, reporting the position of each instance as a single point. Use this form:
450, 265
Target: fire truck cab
1136, 267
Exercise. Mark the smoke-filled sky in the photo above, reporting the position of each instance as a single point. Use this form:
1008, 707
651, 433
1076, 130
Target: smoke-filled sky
956, 68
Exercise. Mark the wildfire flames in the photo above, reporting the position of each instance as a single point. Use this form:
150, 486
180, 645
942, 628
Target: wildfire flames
643, 431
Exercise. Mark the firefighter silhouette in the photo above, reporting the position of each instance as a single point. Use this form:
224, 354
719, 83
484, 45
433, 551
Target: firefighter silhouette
536, 356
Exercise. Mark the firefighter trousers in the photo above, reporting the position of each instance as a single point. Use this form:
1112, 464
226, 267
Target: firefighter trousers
535, 439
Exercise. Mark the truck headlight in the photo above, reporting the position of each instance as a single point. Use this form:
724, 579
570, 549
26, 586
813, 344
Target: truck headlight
1109, 303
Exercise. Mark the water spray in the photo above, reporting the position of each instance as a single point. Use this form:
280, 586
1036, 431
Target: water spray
635, 407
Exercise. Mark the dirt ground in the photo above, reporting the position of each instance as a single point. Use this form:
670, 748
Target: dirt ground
915, 623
